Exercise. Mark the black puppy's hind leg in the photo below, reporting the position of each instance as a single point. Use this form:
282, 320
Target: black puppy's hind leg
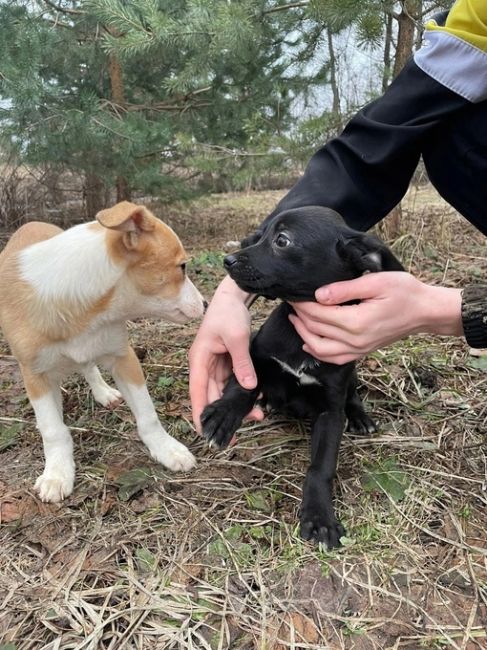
318, 519
222, 418
357, 419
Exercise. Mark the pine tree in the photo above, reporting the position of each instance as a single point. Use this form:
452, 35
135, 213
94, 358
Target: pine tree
140, 95
149, 95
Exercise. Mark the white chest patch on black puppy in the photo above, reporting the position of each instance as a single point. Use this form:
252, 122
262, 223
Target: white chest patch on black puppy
300, 373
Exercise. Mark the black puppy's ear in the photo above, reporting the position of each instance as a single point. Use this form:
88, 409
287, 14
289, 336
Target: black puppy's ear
367, 253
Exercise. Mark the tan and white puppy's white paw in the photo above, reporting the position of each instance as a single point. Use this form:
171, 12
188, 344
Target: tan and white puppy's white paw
103, 393
173, 455
54, 486
107, 396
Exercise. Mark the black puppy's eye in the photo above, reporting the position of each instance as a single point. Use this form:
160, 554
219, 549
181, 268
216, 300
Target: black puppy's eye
282, 240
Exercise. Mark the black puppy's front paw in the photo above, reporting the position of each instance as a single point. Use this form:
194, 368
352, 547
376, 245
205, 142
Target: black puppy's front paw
220, 422
317, 515
317, 527
360, 422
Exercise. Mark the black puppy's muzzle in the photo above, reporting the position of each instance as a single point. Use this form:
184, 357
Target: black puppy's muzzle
241, 270
238, 267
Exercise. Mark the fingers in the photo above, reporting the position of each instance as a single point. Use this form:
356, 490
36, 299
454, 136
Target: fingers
238, 348
340, 292
367, 286
325, 349
338, 356
320, 328
198, 385
215, 390
256, 415
342, 317
210, 370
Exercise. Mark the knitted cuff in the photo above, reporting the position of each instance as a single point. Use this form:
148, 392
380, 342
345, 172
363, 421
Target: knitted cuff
474, 315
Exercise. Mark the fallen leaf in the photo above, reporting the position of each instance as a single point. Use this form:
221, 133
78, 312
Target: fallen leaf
295, 630
13, 508
478, 352
144, 502
387, 477
187, 574
132, 482
146, 561
108, 504
9, 435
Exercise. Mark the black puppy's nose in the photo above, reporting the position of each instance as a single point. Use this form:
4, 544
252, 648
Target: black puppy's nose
229, 261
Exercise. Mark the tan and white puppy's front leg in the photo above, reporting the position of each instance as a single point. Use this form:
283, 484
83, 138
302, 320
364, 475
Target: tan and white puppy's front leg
102, 392
130, 380
57, 480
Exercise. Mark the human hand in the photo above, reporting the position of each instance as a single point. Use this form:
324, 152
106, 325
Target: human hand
393, 305
221, 345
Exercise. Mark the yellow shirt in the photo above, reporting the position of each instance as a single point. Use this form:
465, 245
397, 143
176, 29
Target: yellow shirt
455, 54
467, 20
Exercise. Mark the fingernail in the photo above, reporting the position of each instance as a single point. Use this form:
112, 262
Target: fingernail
248, 382
323, 294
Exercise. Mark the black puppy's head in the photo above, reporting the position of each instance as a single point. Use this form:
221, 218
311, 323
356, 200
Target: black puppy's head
303, 249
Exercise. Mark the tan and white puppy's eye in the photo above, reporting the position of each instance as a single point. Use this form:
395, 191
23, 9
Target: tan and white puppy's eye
183, 267
282, 240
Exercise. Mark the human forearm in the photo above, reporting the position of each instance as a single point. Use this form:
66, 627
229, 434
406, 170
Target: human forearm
441, 310
228, 288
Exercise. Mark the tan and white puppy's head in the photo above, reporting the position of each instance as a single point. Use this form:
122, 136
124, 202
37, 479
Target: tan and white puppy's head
155, 261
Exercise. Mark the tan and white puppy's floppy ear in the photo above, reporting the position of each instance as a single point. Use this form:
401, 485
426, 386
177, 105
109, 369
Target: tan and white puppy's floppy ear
129, 218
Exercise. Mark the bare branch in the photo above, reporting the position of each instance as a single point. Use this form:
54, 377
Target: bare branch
58, 23
63, 10
291, 5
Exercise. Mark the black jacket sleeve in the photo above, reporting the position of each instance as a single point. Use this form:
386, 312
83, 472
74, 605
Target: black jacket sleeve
364, 172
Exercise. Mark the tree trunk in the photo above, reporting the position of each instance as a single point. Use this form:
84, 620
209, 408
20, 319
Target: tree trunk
390, 228
419, 30
404, 49
118, 97
405, 35
94, 195
336, 110
386, 75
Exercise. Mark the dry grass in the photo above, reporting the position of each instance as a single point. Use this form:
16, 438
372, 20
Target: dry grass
138, 558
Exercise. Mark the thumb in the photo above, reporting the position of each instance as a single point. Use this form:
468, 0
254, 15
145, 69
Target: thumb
359, 289
243, 367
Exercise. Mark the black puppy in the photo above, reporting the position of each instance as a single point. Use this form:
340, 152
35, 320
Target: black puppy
298, 251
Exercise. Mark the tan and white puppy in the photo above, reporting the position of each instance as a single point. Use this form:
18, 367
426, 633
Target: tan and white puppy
65, 297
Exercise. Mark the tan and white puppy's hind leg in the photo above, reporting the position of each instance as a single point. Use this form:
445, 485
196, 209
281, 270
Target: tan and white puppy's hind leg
102, 392
57, 480
165, 449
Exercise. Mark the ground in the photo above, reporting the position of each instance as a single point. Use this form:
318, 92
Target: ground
139, 558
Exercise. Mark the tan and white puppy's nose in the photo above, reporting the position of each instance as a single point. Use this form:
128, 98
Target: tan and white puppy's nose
190, 301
